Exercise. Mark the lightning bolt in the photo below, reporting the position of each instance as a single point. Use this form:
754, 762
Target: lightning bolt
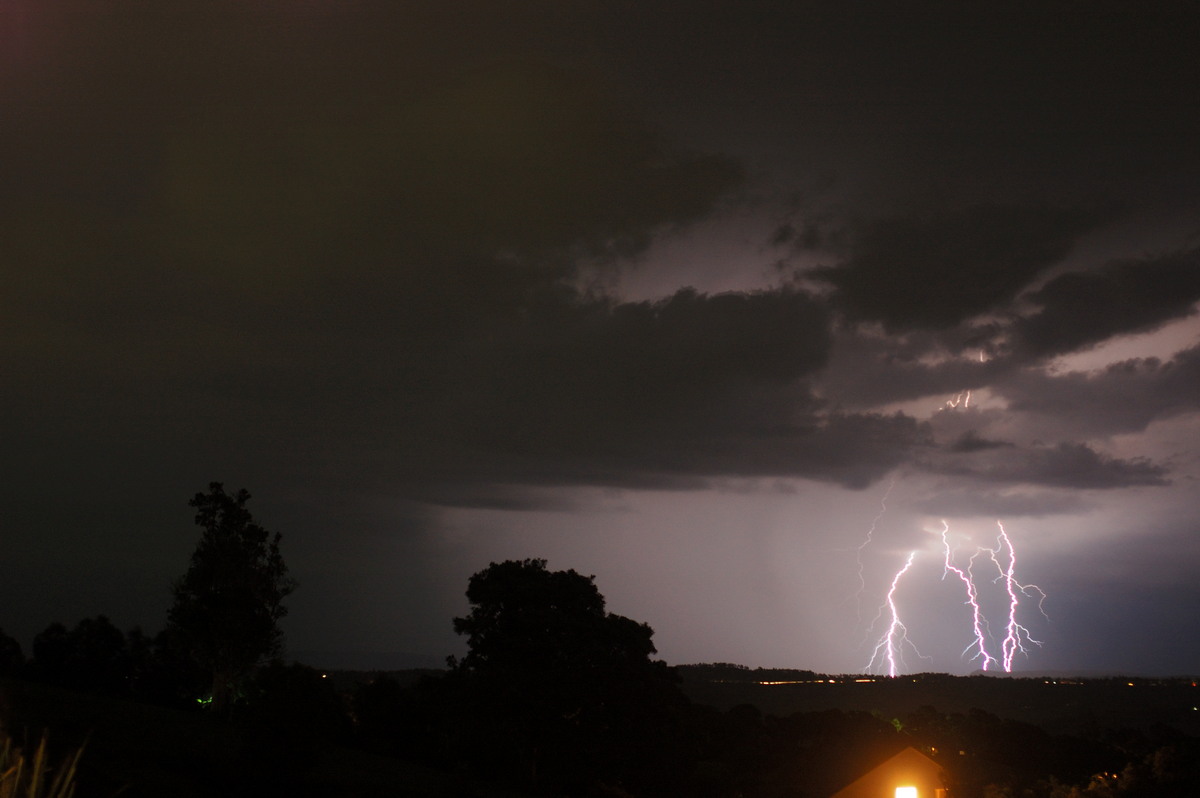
858, 552
977, 619
889, 650
1016, 635
887, 656
963, 398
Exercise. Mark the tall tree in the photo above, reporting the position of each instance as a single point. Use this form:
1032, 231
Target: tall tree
228, 605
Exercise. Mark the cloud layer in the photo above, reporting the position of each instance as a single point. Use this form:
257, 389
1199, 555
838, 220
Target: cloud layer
367, 259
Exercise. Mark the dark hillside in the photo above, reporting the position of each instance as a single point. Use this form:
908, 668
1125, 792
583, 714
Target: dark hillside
1056, 705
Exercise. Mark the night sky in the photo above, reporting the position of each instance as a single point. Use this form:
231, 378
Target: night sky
687, 298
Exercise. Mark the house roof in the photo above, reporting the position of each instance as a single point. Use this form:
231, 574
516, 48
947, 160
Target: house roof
909, 767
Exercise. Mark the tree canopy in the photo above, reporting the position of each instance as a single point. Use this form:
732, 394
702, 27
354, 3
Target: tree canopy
526, 618
570, 688
228, 604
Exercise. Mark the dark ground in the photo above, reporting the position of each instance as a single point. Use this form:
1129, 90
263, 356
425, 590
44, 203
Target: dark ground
1057, 705
136, 750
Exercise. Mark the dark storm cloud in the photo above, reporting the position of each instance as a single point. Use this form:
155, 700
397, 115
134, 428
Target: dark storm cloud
1072, 312
1002, 504
300, 238
935, 273
293, 207
997, 100
248, 247
971, 441
354, 257
660, 394
1123, 397
1082, 308
873, 370
523, 160
1064, 465
291, 153
295, 255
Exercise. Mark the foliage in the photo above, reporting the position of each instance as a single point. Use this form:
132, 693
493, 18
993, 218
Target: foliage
561, 690
228, 605
525, 619
161, 670
298, 704
92, 657
95, 657
30, 777
12, 660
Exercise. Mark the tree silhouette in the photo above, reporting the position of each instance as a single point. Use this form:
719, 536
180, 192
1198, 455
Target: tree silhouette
564, 690
228, 604
11, 658
97, 659
51, 650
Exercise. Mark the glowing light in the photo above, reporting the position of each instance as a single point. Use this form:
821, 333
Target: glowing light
977, 620
769, 684
1015, 635
963, 398
887, 655
906, 792
889, 650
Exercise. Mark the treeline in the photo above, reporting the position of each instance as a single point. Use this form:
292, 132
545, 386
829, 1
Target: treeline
649, 741
95, 656
730, 672
555, 696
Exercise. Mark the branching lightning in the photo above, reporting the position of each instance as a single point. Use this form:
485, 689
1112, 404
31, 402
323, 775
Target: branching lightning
862, 583
1014, 632
889, 651
963, 399
887, 656
977, 620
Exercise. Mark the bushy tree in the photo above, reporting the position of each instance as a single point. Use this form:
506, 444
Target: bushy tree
564, 689
162, 670
11, 658
92, 657
97, 660
51, 650
228, 605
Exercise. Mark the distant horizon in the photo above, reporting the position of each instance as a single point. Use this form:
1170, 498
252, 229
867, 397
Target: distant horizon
413, 661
